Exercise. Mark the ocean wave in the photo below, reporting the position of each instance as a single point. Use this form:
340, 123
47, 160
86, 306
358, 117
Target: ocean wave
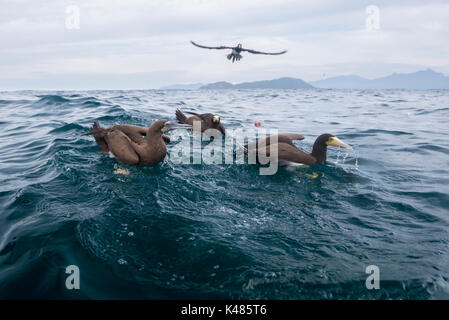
224, 231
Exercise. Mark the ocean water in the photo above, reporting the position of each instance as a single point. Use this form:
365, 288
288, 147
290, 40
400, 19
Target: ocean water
224, 231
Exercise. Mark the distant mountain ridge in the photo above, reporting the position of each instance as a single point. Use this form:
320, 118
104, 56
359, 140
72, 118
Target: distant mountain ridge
281, 83
420, 80
190, 86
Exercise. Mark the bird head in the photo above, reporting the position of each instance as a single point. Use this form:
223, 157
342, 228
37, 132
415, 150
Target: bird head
321, 143
215, 119
328, 139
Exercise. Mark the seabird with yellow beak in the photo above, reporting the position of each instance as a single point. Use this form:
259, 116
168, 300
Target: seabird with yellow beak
289, 154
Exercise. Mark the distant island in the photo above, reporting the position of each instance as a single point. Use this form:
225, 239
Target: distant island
281, 83
190, 86
420, 80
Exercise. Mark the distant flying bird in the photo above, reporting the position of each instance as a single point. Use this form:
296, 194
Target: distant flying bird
235, 54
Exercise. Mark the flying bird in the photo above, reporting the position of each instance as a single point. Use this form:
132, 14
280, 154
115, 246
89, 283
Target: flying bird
235, 53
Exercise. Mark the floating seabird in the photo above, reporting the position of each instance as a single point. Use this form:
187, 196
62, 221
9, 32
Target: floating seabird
290, 155
127, 144
235, 54
207, 120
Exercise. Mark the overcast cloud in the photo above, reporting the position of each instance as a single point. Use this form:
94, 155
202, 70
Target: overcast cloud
145, 44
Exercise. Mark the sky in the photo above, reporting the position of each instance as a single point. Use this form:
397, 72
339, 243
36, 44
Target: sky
137, 44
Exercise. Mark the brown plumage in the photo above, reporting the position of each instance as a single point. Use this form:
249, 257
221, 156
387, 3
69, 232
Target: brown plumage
289, 154
127, 144
281, 138
207, 120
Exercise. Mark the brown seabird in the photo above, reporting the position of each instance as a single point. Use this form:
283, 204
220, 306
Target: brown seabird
289, 154
207, 120
127, 144
235, 53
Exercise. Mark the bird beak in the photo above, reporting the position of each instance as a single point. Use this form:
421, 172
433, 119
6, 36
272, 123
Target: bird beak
173, 125
334, 141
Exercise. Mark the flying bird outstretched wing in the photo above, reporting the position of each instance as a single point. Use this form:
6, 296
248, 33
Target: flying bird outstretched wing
206, 47
260, 52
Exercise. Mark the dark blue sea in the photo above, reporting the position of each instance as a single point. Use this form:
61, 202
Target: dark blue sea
202, 231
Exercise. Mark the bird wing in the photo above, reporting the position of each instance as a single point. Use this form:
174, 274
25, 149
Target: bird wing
206, 47
292, 136
260, 52
289, 153
207, 121
193, 113
135, 133
203, 116
280, 138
